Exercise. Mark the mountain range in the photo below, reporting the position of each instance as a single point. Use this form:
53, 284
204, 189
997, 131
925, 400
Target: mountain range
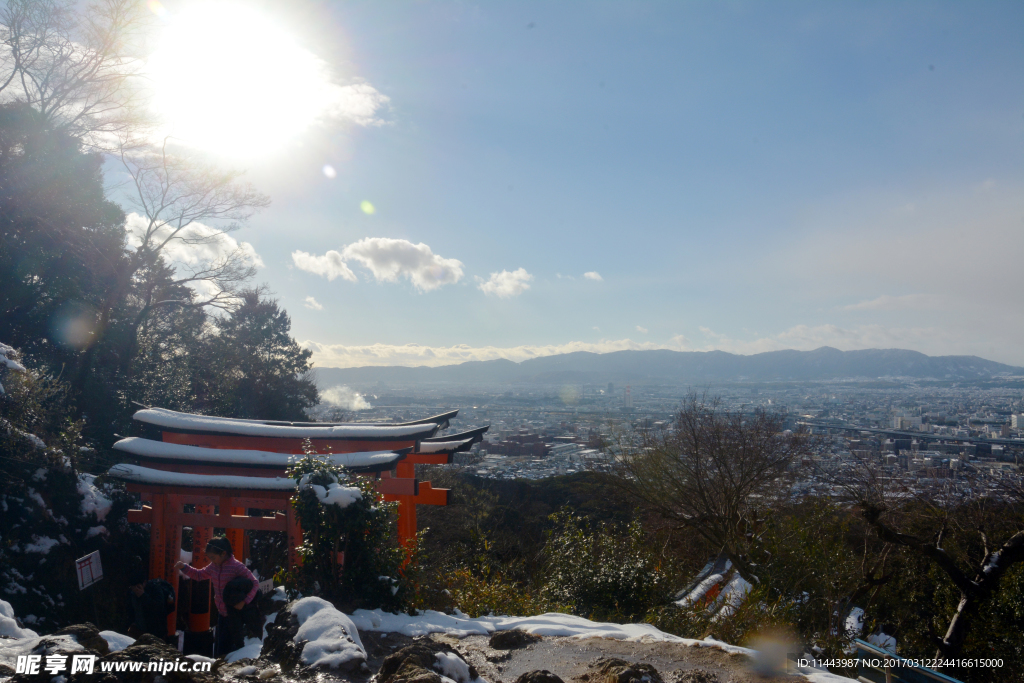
681, 367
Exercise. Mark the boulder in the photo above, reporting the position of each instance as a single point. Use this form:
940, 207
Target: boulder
539, 676
87, 635
149, 648
615, 670
417, 663
512, 640
279, 645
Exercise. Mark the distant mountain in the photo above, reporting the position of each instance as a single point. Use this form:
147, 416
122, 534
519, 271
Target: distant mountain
681, 367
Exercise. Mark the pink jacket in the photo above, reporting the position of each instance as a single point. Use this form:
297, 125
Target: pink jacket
219, 577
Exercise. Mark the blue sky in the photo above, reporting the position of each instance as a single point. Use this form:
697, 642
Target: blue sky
744, 176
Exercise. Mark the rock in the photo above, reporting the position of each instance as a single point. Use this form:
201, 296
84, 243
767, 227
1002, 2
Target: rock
149, 648
88, 636
696, 676
512, 640
614, 670
539, 676
279, 645
417, 663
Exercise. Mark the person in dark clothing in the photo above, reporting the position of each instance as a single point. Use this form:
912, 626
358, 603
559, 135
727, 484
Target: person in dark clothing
150, 602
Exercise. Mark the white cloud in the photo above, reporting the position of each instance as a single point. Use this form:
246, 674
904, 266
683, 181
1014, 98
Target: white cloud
195, 245
387, 259
506, 284
331, 265
642, 330
889, 303
313, 304
593, 275
344, 397
342, 356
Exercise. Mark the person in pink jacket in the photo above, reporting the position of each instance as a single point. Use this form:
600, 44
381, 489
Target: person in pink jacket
223, 568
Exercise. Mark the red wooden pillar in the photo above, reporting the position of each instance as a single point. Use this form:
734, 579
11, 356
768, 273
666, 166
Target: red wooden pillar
237, 537
406, 520
199, 611
157, 538
294, 537
172, 554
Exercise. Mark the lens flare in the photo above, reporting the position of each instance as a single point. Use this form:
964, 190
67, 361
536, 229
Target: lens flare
330, 172
368, 208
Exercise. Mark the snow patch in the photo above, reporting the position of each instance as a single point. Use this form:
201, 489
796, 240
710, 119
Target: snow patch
92, 499
116, 641
202, 423
9, 626
148, 448
336, 494
147, 475
41, 544
332, 639
452, 667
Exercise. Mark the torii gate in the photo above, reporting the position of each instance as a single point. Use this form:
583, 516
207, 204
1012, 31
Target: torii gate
199, 453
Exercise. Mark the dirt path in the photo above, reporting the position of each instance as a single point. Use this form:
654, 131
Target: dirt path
571, 659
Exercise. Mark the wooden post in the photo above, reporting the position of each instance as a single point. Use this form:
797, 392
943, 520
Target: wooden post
199, 610
172, 553
294, 537
406, 520
157, 538
237, 536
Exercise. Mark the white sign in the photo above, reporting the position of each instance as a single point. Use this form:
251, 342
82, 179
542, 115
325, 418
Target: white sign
90, 569
266, 586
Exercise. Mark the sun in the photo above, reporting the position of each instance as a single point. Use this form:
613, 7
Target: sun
231, 81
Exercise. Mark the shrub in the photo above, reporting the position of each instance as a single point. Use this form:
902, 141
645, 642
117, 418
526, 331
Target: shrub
600, 572
476, 596
350, 550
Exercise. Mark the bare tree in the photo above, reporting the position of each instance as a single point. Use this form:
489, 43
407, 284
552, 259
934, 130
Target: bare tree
718, 472
74, 68
186, 203
923, 521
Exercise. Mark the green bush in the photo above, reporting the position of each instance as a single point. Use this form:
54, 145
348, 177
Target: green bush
374, 572
601, 572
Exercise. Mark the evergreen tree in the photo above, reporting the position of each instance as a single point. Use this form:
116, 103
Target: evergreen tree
260, 371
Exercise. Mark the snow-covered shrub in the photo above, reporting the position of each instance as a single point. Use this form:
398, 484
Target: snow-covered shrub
350, 549
50, 513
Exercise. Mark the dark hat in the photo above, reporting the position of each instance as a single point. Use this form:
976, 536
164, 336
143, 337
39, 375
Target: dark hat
219, 544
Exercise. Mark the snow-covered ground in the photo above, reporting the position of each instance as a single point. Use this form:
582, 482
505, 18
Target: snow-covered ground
332, 637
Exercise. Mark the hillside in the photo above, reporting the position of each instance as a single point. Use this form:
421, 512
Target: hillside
683, 367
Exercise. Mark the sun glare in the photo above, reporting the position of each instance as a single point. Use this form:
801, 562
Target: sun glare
229, 80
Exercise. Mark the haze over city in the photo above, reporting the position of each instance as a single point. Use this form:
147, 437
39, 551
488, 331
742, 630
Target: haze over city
466, 181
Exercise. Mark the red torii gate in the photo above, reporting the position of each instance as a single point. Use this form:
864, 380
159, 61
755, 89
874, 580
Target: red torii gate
206, 450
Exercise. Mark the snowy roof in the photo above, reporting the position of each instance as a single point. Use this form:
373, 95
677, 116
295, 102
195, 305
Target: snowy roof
187, 422
444, 446
147, 448
474, 434
146, 475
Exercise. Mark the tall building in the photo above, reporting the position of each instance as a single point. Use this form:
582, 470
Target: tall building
627, 400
